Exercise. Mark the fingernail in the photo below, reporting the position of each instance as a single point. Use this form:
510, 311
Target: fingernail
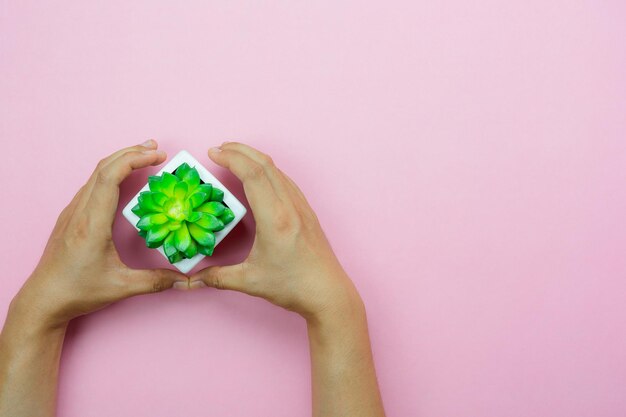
160, 153
148, 144
215, 150
181, 285
197, 284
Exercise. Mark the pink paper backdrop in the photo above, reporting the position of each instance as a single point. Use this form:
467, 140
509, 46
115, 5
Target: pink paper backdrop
467, 159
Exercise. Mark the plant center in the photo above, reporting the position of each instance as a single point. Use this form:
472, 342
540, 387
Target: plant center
176, 211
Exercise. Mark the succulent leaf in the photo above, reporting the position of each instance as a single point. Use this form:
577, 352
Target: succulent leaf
182, 170
182, 238
168, 245
138, 210
192, 250
216, 194
159, 219
192, 178
212, 207
227, 216
159, 198
206, 250
194, 216
205, 188
174, 225
144, 223
197, 198
210, 222
180, 190
169, 181
202, 236
177, 257
157, 234
154, 245
147, 204
155, 184
148, 221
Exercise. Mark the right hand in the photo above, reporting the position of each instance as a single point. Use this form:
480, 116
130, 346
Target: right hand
291, 263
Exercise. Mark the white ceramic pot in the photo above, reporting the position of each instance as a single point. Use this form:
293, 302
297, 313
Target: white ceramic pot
230, 200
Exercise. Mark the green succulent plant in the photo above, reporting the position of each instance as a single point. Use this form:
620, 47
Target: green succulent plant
181, 213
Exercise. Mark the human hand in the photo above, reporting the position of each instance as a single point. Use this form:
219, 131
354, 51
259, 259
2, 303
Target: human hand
291, 263
80, 270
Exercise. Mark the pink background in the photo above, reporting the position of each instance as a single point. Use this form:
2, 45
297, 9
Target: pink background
467, 159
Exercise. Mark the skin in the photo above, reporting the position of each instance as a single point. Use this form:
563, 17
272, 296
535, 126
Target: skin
291, 264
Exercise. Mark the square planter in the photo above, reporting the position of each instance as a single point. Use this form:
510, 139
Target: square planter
238, 209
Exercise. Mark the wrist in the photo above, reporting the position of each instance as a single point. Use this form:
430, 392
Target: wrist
345, 310
26, 317
340, 331
24, 338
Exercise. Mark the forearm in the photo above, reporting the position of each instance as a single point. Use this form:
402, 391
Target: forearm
343, 374
29, 366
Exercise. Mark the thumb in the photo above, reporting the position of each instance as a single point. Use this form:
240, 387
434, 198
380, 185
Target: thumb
229, 277
145, 281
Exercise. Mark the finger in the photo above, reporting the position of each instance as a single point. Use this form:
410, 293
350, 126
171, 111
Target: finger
103, 201
149, 144
146, 281
88, 187
258, 189
229, 277
265, 161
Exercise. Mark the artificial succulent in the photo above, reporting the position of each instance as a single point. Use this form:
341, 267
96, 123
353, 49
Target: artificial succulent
181, 213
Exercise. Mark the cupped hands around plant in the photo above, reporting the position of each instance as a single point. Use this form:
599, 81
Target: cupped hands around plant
291, 263
80, 270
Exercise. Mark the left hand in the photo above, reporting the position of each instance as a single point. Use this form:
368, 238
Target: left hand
80, 270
